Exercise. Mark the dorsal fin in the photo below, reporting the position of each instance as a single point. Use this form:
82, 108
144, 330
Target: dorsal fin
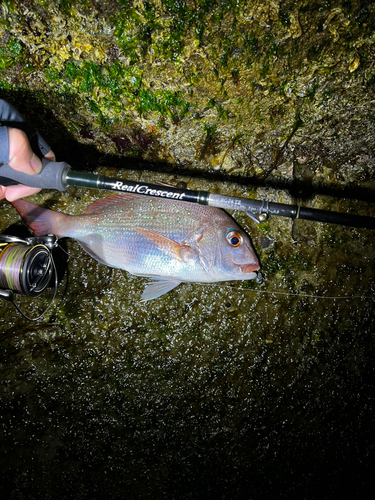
99, 205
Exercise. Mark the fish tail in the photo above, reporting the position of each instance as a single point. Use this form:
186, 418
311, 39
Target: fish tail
41, 220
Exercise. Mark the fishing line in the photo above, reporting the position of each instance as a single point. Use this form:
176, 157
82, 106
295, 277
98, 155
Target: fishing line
26, 268
63, 250
41, 316
292, 294
18, 269
306, 295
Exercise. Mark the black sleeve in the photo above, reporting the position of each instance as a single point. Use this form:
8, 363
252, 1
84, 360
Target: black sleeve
10, 117
4, 145
8, 114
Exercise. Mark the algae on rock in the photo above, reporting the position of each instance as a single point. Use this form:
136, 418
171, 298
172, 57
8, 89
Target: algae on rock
210, 390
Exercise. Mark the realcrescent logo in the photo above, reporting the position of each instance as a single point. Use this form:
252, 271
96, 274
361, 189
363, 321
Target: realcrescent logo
144, 189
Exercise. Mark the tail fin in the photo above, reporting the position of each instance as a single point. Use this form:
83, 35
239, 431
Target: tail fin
41, 220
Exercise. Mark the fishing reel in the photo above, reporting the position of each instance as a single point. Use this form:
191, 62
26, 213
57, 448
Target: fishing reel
26, 265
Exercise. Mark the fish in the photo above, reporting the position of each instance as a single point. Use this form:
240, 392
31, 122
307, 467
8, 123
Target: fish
167, 240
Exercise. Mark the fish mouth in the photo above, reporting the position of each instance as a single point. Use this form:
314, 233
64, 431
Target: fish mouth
249, 268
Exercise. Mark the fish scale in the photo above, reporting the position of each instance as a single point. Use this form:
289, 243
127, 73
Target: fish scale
167, 240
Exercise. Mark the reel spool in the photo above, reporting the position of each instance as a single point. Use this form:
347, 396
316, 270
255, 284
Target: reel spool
26, 265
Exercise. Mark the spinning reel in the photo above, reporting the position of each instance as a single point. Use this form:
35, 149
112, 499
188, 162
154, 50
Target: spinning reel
26, 266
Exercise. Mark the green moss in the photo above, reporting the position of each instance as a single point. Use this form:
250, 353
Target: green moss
163, 32
274, 263
251, 44
210, 130
334, 237
5, 59
264, 69
250, 285
5, 86
133, 31
15, 48
166, 103
112, 84
11, 54
284, 17
52, 74
67, 5
221, 111
265, 227
328, 94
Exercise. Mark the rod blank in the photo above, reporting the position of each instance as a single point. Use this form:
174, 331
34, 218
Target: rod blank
59, 176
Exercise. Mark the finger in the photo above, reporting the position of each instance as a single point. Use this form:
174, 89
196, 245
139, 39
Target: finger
15, 192
21, 156
50, 155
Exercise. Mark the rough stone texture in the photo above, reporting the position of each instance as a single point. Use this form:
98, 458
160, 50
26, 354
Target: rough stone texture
227, 391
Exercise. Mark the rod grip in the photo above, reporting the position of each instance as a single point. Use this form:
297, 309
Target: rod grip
50, 177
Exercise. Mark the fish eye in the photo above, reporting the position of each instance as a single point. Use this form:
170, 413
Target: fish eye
234, 238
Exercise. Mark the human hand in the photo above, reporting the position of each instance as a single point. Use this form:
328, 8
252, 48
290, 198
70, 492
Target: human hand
22, 159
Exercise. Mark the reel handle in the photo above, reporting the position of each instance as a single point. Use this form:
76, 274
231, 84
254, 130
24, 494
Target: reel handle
50, 177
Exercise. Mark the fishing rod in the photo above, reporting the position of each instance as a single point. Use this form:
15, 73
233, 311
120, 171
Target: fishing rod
59, 175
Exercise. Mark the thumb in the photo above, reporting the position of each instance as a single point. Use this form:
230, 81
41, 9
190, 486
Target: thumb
21, 156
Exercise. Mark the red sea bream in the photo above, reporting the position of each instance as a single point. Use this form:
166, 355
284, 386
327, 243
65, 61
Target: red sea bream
167, 240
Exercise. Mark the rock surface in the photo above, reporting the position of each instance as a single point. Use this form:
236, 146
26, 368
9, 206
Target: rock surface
227, 391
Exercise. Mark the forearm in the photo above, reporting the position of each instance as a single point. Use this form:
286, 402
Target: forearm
4, 145
10, 117
8, 114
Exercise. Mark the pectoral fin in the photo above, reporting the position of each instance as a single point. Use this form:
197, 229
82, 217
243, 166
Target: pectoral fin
181, 252
158, 288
